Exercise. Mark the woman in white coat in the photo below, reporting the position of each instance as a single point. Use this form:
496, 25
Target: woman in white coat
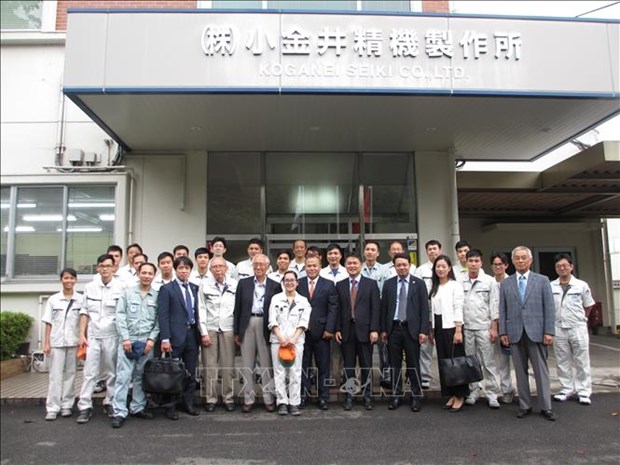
447, 304
289, 314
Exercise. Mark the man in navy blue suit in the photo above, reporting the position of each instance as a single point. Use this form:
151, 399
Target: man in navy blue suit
357, 328
404, 326
178, 327
321, 293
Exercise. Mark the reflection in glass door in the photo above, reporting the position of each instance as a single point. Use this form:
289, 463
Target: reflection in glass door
322, 197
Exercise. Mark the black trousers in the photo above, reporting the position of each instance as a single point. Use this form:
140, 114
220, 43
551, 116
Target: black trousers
320, 349
354, 350
400, 340
444, 341
188, 352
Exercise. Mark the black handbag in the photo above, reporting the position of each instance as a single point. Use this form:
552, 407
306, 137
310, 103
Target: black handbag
456, 371
165, 375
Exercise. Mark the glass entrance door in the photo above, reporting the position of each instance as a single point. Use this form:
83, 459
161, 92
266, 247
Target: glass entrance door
322, 197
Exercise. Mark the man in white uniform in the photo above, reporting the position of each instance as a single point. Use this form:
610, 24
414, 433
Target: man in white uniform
216, 306
334, 271
499, 265
461, 271
573, 302
98, 319
244, 268
481, 318
62, 323
299, 264
425, 272
218, 249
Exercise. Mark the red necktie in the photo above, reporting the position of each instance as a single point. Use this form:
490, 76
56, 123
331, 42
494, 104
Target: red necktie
353, 296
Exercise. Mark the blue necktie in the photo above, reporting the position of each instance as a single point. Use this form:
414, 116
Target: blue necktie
188, 305
522, 286
402, 301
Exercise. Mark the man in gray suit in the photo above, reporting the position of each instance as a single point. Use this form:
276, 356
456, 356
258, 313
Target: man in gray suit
526, 323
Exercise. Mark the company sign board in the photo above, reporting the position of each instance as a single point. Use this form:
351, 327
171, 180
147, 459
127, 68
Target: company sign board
281, 52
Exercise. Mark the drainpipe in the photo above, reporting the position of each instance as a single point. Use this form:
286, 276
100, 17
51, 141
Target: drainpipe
60, 131
41, 324
455, 232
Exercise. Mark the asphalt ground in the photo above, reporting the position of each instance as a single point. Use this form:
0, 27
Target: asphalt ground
476, 435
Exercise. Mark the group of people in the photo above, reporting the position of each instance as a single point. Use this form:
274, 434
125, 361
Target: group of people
302, 319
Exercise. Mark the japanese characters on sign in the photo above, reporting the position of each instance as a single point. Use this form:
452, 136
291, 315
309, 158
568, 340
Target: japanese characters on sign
224, 40
366, 50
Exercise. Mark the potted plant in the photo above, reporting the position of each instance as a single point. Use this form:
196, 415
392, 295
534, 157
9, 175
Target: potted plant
14, 328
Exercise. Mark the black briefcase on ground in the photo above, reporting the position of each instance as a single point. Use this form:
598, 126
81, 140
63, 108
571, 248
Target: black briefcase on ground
165, 375
457, 371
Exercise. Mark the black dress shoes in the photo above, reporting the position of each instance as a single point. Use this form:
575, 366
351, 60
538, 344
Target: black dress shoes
143, 414
323, 404
348, 403
210, 407
548, 415
394, 403
368, 404
523, 412
190, 410
172, 413
302, 403
270, 407
416, 404
229, 406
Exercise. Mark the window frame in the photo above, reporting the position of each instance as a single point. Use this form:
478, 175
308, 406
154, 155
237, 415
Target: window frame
415, 6
49, 11
121, 184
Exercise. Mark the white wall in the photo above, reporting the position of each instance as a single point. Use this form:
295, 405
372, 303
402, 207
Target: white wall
170, 193
435, 196
31, 89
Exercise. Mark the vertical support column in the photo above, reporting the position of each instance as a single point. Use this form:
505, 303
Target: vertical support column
436, 198
609, 303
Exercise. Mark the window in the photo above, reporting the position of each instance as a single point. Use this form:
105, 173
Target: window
47, 228
234, 193
389, 193
238, 5
311, 193
5, 197
321, 5
21, 15
386, 5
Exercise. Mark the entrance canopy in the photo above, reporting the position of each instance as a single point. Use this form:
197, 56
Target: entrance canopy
584, 186
200, 80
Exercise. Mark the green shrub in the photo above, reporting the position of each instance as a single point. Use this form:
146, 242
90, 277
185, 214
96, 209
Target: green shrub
14, 329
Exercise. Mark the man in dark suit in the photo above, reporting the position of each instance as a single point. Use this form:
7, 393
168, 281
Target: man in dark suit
321, 293
178, 327
357, 328
404, 326
527, 324
251, 331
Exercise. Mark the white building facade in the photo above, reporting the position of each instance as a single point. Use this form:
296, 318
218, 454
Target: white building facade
168, 127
